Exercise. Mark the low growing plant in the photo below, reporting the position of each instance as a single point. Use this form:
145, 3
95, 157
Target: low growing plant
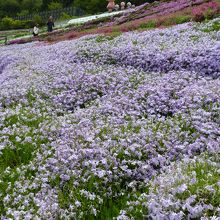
205, 11
148, 24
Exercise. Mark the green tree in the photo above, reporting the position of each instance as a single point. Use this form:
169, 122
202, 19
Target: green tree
32, 5
45, 4
96, 6
91, 6
54, 5
66, 3
23, 13
14, 7
9, 7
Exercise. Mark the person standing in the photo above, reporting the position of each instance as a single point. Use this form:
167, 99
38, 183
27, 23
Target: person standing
111, 5
50, 24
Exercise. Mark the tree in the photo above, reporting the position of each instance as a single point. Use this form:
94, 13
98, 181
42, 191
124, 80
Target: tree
32, 5
66, 3
14, 7
91, 6
96, 6
45, 4
54, 5
9, 7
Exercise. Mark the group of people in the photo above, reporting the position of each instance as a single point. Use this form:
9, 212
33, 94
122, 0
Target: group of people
50, 25
112, 6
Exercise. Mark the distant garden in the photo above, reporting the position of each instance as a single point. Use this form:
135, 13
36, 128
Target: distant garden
20, 14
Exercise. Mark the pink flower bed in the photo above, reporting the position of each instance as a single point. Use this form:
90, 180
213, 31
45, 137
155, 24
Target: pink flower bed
205, 10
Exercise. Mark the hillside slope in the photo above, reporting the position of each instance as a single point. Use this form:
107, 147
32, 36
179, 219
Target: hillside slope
146, 16
112, 127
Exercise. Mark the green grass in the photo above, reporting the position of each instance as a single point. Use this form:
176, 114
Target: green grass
148, 25
182, 19
176, 19
110, 37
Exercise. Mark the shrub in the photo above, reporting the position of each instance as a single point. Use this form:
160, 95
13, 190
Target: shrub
174, 19
55, 6
132, 27
205, 11
6, 23
37, 20
148, 24
64, 16
23, 13
180, 19
169, 21
9, 23
28, 23
17, 24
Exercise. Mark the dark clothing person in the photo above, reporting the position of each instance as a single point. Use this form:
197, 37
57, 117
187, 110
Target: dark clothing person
50, 25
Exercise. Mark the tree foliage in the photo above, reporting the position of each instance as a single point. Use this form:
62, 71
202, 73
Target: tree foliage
32, 5
18, 7
54, 5
9, 7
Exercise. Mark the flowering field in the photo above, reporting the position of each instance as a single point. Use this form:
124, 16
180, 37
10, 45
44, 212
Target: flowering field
102, 127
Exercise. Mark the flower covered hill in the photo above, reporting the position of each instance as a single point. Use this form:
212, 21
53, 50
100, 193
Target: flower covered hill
112, 128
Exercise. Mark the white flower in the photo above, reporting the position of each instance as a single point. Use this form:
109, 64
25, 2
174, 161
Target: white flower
18, 139
94, 211
77, 203
182, 188
210, 188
